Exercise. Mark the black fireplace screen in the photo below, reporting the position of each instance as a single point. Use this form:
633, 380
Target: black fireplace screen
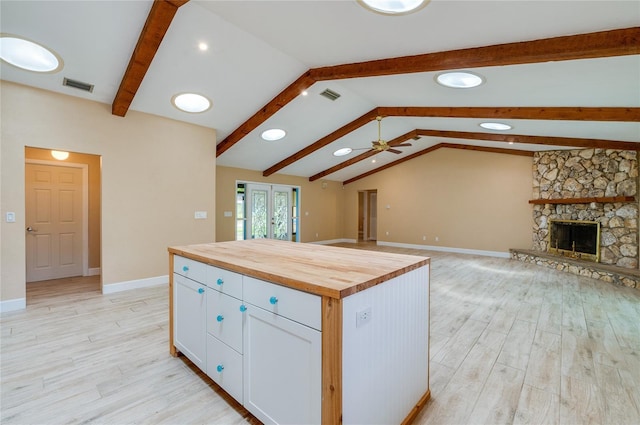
575, 238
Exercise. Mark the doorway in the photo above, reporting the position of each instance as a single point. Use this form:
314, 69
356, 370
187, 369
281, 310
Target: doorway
367, 215
266, 211
62, 213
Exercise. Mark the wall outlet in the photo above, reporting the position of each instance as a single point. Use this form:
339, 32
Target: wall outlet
437, 239
386, 233
363, 317
424, 238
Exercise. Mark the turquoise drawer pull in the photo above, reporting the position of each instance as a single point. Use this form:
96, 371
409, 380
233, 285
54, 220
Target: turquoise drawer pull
273, 300
220, 368
220, 281
220, 318
243, 308
200, 290
185, 268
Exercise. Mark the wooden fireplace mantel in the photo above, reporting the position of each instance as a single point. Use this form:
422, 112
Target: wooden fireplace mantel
606, 199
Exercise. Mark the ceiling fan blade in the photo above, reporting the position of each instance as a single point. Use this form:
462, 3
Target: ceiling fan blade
402, 145
393, 150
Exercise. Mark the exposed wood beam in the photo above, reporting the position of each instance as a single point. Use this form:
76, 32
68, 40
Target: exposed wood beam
342, 131
268, 110
436, 147
534, 140
156, 26
619, 42
522, 113
362, 156
539, 113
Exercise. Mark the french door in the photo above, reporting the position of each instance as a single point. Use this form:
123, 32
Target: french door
269, 211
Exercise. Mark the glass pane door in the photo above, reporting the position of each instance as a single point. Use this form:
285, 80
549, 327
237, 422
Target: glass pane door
281, 215
258, 213
269, 211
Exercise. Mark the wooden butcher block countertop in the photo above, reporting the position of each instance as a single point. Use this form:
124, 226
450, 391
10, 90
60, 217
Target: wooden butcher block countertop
317, 269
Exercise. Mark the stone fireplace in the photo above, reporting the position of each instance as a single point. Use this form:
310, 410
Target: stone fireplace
590, 185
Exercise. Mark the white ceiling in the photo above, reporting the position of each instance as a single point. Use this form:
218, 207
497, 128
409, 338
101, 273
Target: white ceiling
258, 48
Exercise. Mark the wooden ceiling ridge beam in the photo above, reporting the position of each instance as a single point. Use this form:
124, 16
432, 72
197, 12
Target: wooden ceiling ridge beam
398, 140
436, 147
563, 113
330, 138
160, 16
618, 42
533, 140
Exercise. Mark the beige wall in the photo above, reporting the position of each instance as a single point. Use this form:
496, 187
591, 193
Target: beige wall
155, 173
93, 165
324, 206
468, 199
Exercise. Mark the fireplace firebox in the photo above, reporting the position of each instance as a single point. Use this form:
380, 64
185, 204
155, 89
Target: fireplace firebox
575, 239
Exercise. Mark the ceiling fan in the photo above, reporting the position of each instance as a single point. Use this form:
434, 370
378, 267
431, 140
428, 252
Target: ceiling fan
382, 145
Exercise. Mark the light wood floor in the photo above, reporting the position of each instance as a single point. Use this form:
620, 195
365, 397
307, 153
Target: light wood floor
510, 343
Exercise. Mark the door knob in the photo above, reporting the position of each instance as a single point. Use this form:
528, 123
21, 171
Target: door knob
31, 229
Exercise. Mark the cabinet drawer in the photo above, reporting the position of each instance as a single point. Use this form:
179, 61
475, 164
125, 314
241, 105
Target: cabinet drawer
195, 270
226, 281
224, 366
224, 318
299, 306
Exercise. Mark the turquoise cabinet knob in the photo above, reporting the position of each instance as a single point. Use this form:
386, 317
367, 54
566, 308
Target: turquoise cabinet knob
185, 268
200, 290
220, 318
220, 281
273, 300
220, 368
243, 308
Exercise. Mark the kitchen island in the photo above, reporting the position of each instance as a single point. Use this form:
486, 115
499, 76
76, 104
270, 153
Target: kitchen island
303, 333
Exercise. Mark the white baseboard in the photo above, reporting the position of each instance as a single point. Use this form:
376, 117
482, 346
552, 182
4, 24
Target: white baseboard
135, 284
95, 271
448, 249
13, 305
330, 241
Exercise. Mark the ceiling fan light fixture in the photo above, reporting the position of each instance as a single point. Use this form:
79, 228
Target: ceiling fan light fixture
393, 7
273, 134
343, 152
28, 55
192, 103
459, 79
495, 126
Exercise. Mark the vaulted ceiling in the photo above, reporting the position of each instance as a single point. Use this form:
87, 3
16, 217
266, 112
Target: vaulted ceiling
563, 74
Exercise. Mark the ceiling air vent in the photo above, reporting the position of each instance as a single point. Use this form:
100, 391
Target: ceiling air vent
77, 85
416, 138
330, 94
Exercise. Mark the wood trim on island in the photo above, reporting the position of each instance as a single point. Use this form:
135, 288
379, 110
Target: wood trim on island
601, 200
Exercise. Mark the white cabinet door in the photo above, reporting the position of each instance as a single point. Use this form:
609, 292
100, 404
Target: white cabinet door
282, 369
189, 301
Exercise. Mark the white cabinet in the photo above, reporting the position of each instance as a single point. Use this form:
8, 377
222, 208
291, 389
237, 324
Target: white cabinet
282, 369
189, 301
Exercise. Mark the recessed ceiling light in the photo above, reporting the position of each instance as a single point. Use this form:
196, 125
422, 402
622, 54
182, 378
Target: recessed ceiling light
60, 155
203, 46
304, 92
29, 55
191, 102
343, 152
495, 126
459, 79
393, 7
273, 134
373, 161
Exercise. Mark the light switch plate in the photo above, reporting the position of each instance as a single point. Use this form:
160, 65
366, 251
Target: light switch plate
199, 215
11, 217
228, 214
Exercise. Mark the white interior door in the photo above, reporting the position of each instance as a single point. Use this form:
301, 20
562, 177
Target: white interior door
54, 219
269, 211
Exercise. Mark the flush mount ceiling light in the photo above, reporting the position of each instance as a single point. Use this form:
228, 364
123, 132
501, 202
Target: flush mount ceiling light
273, 134
459, 79
495, 126
394, 7
342, 152
191, 102
60, 155
29, 55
